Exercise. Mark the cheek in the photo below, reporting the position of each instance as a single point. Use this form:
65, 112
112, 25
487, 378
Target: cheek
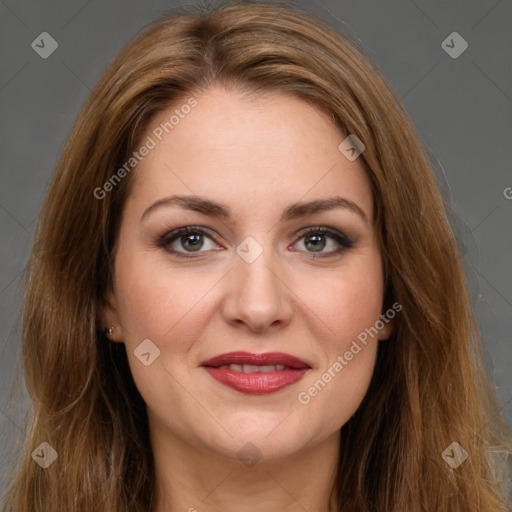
348, 301
163, 306
156, 302
335, 391
350, 306
359, 304
336, 394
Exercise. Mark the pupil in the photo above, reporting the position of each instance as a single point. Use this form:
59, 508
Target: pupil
188, 238
316, 245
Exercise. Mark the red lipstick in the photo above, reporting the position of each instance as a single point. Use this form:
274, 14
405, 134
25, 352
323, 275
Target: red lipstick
256, 374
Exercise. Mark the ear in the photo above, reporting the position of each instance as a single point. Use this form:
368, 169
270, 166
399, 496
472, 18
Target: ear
387, 329
109, 318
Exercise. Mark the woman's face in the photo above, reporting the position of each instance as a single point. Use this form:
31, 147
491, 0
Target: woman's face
248, 281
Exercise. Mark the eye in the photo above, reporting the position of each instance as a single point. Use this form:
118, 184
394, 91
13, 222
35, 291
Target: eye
183, 242
190, 239
316, 239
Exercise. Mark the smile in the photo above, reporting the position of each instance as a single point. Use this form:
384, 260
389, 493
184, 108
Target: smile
256, 374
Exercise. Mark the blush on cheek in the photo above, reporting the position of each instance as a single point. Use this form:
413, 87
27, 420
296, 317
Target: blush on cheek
352, 311
149, 307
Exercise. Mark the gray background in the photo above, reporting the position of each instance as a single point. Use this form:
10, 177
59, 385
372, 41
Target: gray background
461, 107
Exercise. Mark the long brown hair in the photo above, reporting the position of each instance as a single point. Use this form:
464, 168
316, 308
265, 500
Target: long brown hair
429, 388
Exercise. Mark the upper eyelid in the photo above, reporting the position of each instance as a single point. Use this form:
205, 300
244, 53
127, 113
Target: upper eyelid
185, 229
182, 231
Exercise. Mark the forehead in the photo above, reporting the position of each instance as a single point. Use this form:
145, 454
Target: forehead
233, 146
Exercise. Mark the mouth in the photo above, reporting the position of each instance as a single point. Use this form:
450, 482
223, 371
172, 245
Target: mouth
256, 374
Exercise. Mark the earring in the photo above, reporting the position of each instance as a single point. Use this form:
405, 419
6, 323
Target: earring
110, 331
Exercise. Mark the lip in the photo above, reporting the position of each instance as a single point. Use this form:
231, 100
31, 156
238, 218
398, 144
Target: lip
266, 358
256, 383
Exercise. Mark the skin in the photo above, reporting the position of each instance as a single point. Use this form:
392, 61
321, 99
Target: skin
256, 156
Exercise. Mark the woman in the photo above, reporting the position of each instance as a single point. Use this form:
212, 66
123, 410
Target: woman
185, 346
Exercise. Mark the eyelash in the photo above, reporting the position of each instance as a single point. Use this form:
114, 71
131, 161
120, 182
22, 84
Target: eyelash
344, 242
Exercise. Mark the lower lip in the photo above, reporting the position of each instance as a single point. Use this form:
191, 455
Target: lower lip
256, 383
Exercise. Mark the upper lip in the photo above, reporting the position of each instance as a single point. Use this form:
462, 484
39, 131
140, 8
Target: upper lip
266, 358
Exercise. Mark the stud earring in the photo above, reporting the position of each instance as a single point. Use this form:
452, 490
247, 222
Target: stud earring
110, 331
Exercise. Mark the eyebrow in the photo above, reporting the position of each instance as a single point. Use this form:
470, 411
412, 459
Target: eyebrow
292, 212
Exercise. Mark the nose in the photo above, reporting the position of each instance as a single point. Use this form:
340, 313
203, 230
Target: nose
257, 295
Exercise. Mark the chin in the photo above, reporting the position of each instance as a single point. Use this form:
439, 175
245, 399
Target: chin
264, 438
